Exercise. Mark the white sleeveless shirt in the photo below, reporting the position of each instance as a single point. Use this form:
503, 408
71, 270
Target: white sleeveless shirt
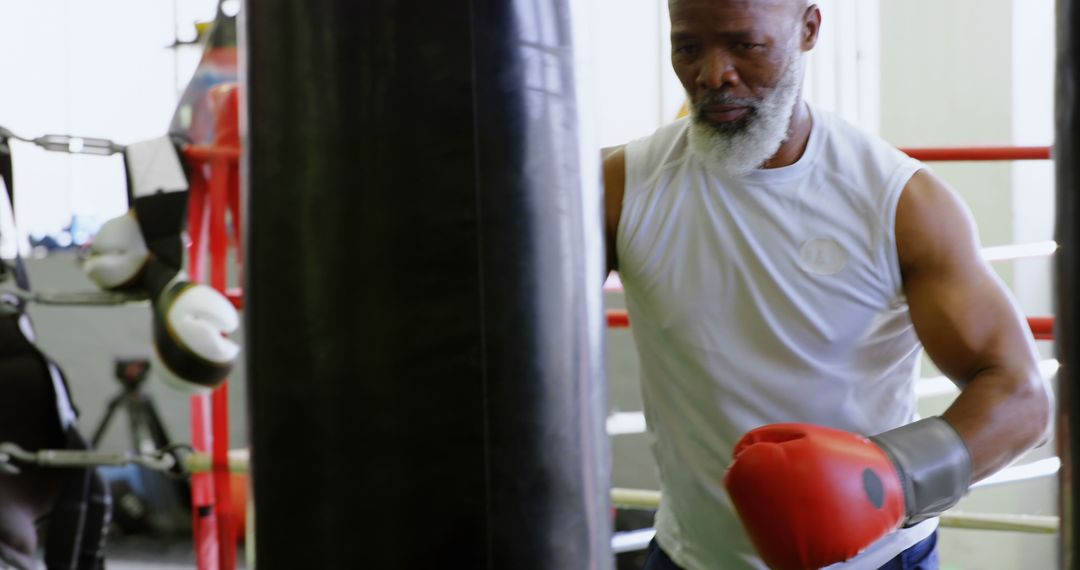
774, 297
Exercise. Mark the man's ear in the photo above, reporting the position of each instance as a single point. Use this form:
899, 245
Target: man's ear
811, 25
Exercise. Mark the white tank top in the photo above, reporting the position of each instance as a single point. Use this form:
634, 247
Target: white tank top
775, 297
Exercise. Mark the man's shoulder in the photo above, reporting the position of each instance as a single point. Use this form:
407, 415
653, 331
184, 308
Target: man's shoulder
853, 150
850, 136
668, 143
668, 133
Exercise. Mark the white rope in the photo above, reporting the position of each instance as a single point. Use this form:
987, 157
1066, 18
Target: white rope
77, 458
1019, 251
636, 540
631, 541
1028, 472
239, 461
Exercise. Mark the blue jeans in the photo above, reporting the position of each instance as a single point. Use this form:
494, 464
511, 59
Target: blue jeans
921, 556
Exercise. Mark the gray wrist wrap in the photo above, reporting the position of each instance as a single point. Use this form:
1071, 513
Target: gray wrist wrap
933, 463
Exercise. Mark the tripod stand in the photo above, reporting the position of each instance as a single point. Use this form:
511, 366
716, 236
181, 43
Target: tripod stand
146, 430
145, 501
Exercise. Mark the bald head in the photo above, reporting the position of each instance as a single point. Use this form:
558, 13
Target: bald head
796, 8
799, 5
794, 20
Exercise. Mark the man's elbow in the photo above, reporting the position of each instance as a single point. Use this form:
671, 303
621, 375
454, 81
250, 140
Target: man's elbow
1038, 400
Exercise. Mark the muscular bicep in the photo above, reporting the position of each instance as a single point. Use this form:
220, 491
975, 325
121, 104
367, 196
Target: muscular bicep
971, 328
614, 186
962, 313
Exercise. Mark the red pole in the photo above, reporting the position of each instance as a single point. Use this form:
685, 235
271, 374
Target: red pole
214, 521
204, 517
219, 180
984, 153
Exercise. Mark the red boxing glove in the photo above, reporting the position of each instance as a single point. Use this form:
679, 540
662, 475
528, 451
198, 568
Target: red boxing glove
810, 496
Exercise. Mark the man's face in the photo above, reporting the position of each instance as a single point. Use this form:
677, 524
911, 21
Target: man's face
730, 54
740, 62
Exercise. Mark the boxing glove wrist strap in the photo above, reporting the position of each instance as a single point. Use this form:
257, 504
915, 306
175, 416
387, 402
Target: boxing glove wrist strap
933, 463
195, 369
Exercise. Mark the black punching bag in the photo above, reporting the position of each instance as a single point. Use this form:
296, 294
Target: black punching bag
423, 288
1067, 264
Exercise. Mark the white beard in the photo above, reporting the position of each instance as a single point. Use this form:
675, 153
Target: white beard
740, 149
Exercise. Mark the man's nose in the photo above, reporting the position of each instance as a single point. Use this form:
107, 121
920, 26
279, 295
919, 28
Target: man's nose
717, 71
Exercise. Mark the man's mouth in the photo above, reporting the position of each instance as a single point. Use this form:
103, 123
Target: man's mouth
724, 113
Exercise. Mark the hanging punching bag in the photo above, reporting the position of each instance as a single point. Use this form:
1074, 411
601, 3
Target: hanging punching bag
1067, 271
423, 288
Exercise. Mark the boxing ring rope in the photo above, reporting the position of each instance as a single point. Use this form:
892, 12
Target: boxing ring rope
1014, 252
1042, 328
630, 541
1040, 469
239, 461
636, 540
979, 153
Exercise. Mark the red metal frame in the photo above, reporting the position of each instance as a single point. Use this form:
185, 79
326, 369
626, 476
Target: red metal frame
214, 200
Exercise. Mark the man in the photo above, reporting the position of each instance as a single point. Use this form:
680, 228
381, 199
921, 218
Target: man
781, 266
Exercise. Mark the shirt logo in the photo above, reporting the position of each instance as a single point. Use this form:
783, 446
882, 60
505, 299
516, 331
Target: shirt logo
823, 256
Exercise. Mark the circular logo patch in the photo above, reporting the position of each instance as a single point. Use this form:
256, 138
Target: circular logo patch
823, 256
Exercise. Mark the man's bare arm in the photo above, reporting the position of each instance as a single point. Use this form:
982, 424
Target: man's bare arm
614, 185
971, 328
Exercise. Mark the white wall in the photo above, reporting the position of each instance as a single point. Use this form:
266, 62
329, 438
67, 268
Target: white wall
635, 90
96, 69
843, 74
1033, 124
945, 80
979, 72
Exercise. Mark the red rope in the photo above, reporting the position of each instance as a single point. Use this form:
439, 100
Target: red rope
1041, 327
980, 153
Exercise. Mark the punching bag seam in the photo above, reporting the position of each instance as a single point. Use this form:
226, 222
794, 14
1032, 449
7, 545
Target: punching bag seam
484, 387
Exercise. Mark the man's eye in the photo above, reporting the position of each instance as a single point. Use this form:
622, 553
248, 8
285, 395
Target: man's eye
687, 49
750, 46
